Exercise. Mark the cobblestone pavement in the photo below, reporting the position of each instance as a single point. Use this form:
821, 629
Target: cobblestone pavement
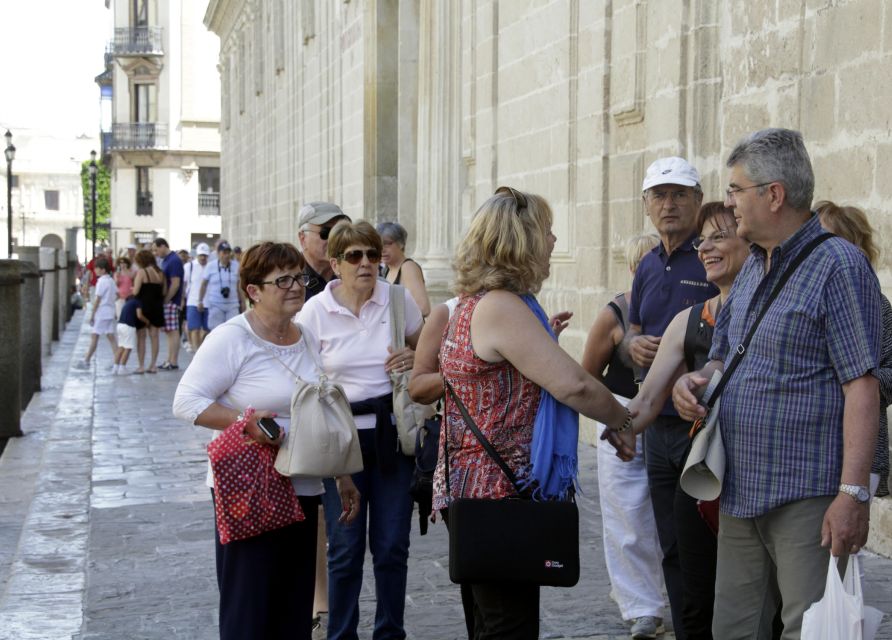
106, 528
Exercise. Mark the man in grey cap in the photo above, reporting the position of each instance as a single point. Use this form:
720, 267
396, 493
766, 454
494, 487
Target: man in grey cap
316, 220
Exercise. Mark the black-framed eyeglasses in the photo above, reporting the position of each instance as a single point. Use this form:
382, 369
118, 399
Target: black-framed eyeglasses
355, 256
287, 281
716, 238
729, 192
323, 232
519, 198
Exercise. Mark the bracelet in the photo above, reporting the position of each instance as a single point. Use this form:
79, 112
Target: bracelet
627, 423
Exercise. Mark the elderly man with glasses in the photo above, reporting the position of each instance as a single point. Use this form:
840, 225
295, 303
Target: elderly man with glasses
316, 220
800, 414
668, 279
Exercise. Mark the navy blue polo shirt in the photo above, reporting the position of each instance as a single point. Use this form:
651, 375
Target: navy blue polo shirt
664, 285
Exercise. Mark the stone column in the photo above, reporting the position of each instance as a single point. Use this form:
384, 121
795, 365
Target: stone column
62, 284
48, 294
10, 348
30, 331
439, 187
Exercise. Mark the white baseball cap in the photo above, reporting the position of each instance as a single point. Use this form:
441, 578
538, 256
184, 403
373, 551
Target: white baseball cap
202, 250
673, 170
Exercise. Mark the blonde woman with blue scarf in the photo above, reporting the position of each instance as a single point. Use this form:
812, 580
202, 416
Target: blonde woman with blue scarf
520, 387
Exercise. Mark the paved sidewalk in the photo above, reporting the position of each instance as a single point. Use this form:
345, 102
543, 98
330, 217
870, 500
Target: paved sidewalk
106, 528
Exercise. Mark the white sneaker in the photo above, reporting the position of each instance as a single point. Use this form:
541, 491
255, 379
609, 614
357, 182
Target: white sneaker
647, 628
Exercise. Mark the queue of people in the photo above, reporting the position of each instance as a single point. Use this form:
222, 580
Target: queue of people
802, 418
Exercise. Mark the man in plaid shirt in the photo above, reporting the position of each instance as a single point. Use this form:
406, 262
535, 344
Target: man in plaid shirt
800, 415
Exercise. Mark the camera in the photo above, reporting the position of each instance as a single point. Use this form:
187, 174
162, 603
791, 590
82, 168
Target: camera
224, 292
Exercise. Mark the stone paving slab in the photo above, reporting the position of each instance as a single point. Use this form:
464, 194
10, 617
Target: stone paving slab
106, 527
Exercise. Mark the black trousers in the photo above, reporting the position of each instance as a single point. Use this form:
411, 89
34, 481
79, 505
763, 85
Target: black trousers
689, 545
267, 582
506, 612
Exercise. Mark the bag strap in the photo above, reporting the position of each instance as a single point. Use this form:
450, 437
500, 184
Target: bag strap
397, 316
740, 350
690, 334
311, 349
487, 445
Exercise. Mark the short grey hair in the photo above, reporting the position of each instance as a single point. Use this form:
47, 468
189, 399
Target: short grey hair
393, 230
777, 155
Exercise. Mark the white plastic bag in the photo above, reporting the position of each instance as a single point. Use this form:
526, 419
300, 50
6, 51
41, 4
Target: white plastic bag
841, 614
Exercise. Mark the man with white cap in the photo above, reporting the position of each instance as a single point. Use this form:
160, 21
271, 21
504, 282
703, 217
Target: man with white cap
196, 321
668, 279
316, 220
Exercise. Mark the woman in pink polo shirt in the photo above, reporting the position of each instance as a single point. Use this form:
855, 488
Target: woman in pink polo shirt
351, 319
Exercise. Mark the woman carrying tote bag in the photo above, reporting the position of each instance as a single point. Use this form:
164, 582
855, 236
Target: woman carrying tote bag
266, 581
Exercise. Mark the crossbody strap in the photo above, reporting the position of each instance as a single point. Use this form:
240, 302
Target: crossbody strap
311, 349
397, 316
740, 350
487, 445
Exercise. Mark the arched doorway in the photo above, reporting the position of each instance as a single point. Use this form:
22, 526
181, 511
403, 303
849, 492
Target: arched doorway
52, 241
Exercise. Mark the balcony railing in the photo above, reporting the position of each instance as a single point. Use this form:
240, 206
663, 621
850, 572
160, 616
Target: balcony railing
138, 135
144, 203
209, 204
137, 41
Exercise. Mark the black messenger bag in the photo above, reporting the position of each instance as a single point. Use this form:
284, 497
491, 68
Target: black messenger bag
511, 540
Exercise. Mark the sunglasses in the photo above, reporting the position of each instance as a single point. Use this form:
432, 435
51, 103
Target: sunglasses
286, 282
355, 256
519, 199
323, 232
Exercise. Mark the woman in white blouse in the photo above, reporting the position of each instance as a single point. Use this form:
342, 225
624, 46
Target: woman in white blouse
351, 321
266, 582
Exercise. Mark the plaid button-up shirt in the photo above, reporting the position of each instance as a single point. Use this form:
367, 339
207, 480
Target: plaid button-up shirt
781, 413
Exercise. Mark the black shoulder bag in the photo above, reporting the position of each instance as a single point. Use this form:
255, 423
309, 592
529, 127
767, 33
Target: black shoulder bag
512, 540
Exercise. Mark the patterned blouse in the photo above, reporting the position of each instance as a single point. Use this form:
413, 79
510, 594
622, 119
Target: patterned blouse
501, 401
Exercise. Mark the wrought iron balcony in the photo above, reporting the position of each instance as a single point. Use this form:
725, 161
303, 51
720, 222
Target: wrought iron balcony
138, 135
137, 41
209, 204
144, 203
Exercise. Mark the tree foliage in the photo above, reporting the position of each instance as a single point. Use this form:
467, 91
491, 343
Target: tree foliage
103, 200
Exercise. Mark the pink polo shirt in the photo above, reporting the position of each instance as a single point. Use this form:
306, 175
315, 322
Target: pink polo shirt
354, 349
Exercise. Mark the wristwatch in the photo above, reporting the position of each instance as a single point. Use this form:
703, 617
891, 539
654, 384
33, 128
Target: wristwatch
859, 493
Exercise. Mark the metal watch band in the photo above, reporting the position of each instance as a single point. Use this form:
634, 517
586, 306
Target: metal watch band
859, 493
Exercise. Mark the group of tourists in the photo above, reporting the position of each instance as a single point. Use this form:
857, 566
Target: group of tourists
799, 416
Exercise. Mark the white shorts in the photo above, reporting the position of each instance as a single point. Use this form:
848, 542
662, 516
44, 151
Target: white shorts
126, 336
104, 327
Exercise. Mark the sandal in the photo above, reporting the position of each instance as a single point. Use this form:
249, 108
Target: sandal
152, 370
138, 371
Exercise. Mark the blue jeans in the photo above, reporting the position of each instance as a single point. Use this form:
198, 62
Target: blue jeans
385, 511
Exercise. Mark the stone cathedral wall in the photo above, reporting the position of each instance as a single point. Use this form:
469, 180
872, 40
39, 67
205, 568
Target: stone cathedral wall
417, 109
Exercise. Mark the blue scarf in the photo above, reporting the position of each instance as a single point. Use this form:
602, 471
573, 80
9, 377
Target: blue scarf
554, 459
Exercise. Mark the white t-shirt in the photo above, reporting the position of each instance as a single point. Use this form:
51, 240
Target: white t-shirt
107, 292
219, 277
353, 350
193, 273
236, 368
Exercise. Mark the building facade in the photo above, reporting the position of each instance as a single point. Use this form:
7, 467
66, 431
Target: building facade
47, 195
416, 110
160, 131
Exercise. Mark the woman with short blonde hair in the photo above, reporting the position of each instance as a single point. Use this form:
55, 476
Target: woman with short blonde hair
506, 246
513, 366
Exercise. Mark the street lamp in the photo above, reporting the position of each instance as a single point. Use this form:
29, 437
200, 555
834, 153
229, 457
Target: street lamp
93, 195
10, 156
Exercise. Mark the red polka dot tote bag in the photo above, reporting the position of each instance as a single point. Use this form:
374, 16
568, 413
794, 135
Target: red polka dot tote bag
250, 496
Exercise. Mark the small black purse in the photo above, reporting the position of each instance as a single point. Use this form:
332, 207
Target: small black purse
511, 540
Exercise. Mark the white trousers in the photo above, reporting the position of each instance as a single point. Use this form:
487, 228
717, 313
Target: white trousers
631, 548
